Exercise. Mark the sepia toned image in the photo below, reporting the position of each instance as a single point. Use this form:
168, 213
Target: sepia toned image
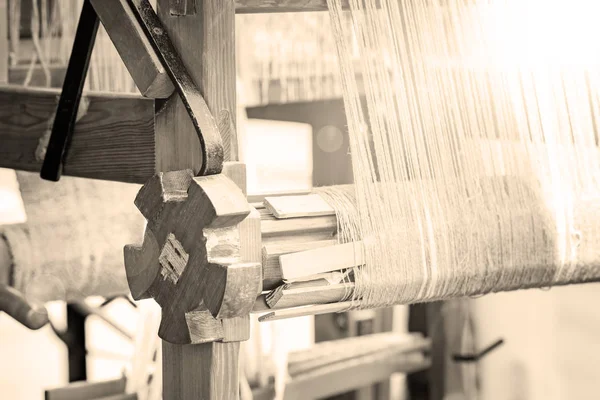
299, 199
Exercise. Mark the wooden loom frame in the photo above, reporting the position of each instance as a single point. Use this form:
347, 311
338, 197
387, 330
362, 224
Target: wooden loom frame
159, 138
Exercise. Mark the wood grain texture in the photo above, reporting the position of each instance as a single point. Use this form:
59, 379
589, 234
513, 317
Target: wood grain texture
193, 210
322, 259
200, 371
113, 141
308, 205
87, 390
236, 329
265, 6
134, 48
272, 275
205, 42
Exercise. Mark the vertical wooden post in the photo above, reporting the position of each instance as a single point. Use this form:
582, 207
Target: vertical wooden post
204, 35
205, 40
200, 371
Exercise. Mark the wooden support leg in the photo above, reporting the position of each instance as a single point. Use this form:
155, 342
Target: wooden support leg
200, 371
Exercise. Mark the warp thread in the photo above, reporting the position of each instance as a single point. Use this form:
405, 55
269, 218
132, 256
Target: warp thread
475, 159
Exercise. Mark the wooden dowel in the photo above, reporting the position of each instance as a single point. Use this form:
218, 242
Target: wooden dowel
305, 311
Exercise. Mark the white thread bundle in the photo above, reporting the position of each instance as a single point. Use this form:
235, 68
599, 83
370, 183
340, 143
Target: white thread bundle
476, 158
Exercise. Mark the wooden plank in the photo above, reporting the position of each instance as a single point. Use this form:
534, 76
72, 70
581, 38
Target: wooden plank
323, 259
202, 371
356, 373
287, 229
307, 293
87, 390
135, 49
304, 311
266, 6
334, 351
114, 140
206, 43
310, 205
272, 276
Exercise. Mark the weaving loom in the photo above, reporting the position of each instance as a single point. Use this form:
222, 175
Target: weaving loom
475, 158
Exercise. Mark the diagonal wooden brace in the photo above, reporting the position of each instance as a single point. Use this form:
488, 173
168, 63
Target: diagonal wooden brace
190, 260
148, 53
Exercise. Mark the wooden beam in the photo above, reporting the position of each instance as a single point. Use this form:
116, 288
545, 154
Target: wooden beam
268, 6
114, 140
135, 49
